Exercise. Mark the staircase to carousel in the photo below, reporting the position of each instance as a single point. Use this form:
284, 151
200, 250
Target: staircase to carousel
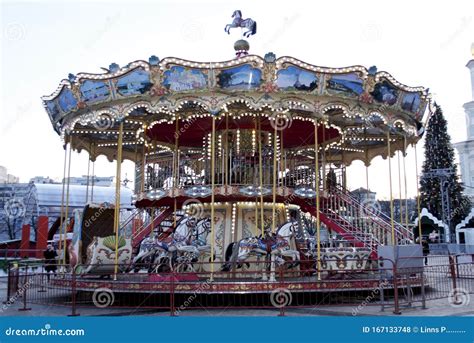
360, 224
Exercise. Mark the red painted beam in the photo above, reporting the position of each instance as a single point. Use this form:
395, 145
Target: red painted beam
41, 236
25, 240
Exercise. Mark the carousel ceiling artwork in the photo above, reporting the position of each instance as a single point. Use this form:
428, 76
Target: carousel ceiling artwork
356, 105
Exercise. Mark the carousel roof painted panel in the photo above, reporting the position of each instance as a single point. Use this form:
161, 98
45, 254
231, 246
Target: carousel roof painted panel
361, 103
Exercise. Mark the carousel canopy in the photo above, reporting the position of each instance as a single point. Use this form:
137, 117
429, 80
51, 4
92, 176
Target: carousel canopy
355, 107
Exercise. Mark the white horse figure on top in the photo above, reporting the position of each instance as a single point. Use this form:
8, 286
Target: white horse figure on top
249, 24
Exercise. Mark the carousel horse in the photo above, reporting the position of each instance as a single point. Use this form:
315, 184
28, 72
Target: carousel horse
248, 23
275, 246
155, 252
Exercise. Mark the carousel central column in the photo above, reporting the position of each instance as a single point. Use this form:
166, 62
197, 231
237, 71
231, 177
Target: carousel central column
117, 195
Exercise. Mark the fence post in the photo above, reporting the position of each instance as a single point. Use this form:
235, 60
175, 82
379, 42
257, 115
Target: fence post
9, 281
73, 295
24, 291
396, 310
282, 308
423, 294
172, 309
452, 270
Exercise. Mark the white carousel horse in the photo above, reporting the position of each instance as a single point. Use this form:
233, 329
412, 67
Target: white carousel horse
272, 245
154, 252
248, 23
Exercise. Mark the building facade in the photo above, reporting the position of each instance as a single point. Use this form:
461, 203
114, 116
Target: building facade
466, 148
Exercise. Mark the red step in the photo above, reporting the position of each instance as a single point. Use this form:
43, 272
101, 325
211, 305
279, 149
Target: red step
146, 231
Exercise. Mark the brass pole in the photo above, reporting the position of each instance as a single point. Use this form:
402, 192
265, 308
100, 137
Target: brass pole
117, 196
61, 219
400, 187
176, 168
213, 175
142, 169
66, 215
316, 174
390, 183
275, 150
405, 179
93, 173
418, 196
260, 173
88, 172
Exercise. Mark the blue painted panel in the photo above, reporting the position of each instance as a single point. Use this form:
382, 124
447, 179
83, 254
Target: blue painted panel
241, 77
66, 100
296, 79
184, 79
134, 83
93, 91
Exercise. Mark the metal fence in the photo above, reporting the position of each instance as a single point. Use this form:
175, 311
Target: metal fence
248, 285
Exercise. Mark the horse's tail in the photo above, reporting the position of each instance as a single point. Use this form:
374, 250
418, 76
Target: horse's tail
254, 28
228, 256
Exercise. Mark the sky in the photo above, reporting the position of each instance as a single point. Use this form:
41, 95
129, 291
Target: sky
420, 43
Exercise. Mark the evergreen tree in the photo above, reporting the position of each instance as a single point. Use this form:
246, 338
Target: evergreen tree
439, 153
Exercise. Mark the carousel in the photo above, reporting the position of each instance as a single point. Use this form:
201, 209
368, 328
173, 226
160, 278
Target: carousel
240, 170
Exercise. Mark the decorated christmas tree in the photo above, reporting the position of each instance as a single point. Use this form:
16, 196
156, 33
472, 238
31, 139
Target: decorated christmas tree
439, 154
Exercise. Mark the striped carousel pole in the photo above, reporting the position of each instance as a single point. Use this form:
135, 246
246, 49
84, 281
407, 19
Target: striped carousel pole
117, 196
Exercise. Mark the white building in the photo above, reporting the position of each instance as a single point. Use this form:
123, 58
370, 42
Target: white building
466, 148
7, 178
